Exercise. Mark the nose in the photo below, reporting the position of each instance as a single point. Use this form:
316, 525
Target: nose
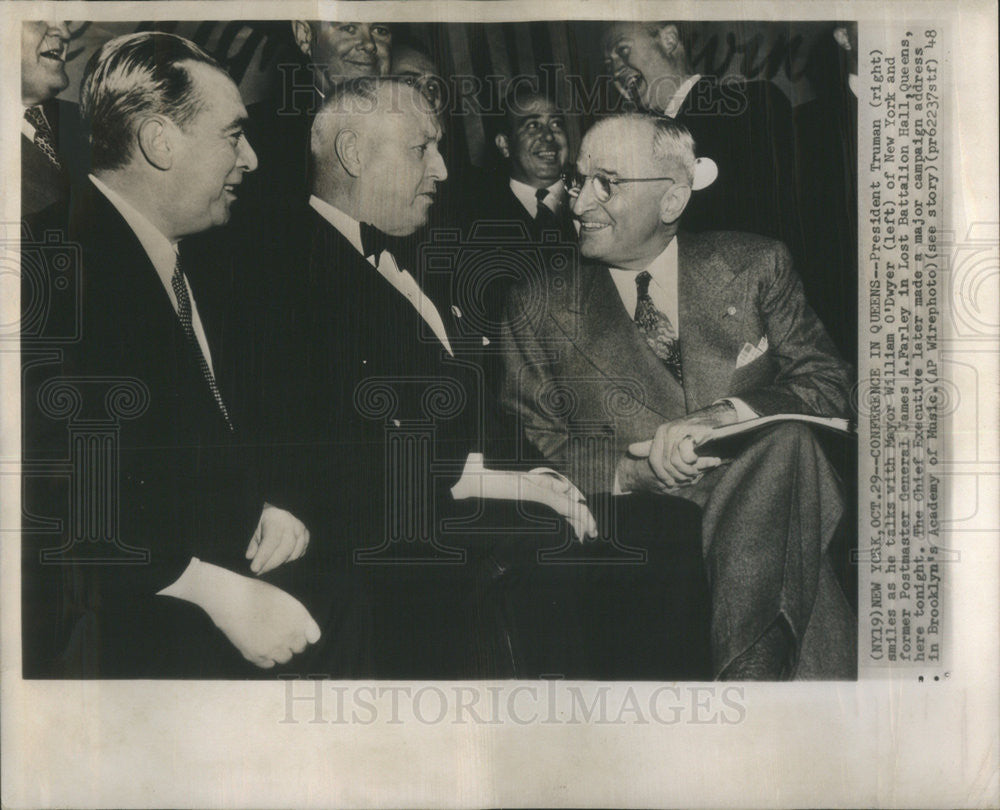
60, 28
437, 169
247, 157
367, 43
585, 200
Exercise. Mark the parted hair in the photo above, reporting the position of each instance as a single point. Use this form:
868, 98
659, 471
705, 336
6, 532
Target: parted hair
131, 77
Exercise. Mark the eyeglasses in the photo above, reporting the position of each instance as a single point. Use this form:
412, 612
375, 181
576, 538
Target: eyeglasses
602, 185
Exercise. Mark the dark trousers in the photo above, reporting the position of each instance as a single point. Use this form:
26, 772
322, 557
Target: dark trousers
527, 601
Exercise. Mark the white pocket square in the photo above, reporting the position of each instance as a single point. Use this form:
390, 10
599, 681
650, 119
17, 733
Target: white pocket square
749, 352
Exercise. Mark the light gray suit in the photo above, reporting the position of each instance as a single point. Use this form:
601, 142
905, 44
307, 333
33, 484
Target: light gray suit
585, 385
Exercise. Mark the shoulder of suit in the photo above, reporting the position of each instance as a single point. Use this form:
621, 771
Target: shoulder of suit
738, 250
553, 283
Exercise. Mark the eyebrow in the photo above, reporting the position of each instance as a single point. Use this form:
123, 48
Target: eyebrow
613, 43
238, 123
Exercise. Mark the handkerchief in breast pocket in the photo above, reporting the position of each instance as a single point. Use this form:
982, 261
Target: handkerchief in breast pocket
749, 352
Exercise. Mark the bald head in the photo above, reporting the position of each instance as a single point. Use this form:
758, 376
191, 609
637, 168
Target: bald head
375, 154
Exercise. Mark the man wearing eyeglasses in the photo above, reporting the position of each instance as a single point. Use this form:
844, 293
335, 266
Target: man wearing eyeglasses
709, 329
746, 127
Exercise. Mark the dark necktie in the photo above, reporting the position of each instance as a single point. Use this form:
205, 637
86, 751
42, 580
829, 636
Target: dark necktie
545, 217
373, 241
184, 314
44, 137
656, 328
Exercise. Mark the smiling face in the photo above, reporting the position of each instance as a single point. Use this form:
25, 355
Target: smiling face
646, 61
210, 154
628, 230
536, 147
349, 49
400, 163
43, 60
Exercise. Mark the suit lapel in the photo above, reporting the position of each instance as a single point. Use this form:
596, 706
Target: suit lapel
128, 275
709, 313
600, 328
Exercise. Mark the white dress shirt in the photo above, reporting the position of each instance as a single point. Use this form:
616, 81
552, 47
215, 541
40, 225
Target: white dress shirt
663, 291
162, 253
399, 278
662, 285
527, 196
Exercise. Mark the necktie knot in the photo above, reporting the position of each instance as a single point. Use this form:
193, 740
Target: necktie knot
373, 241
642, 283
541, 194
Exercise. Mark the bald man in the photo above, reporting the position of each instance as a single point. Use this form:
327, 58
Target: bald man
706, 330
393, 444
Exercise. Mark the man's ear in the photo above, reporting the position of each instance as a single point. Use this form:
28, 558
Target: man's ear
345, 146
153, 136
673, 203
303, 33
668, 38
503, 145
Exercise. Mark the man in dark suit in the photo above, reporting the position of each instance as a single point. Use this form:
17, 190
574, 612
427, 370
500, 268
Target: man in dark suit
745, 127
397, 422
709, 329
279, 125
531, 139
189, 532
50, 130
521, 205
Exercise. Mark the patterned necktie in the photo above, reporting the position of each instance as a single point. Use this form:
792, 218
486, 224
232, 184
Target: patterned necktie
184, 314
44, 137
656, 328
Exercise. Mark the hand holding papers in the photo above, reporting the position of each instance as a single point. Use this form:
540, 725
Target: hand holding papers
540, 485
711, 443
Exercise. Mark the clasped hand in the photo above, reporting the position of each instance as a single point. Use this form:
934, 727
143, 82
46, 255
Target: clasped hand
669, 460
280, 537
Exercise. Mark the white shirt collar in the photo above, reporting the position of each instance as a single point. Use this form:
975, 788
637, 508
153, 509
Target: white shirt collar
526, 194
162, 251
348, 226
673, 107
662, 286
400, 279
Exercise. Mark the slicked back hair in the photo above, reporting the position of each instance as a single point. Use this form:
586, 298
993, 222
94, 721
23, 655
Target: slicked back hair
131, 77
